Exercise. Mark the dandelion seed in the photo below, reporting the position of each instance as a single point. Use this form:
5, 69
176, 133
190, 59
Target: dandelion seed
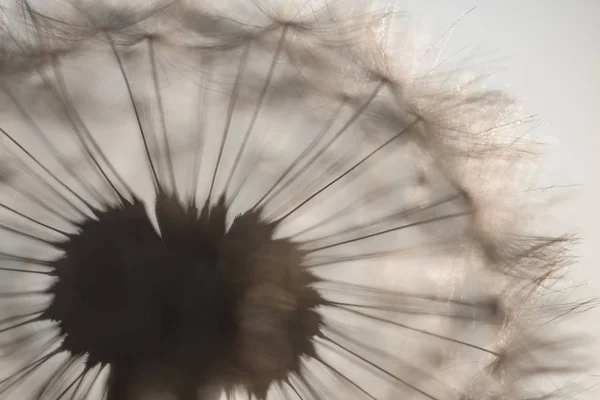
259, 204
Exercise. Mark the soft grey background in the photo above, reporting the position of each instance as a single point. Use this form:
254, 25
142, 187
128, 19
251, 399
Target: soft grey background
548, 54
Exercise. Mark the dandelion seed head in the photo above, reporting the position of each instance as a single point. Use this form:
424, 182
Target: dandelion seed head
267, 200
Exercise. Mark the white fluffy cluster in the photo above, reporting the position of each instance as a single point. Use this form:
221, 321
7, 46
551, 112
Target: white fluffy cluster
403, 182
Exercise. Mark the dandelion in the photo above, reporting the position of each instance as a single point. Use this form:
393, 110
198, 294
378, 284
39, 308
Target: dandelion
261, 202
